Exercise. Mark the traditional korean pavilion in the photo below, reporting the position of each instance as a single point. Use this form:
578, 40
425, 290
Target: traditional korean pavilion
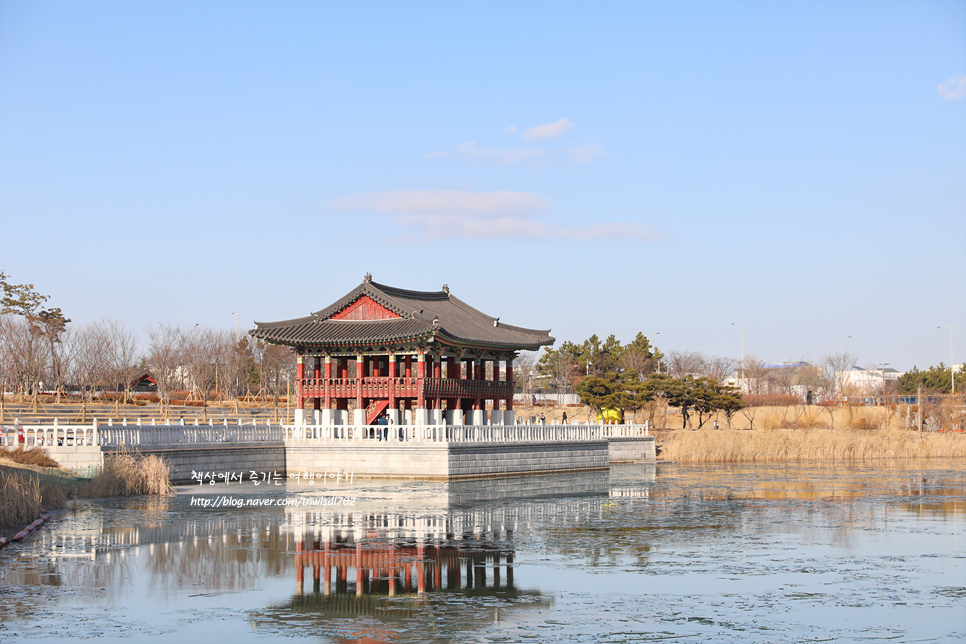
410, 357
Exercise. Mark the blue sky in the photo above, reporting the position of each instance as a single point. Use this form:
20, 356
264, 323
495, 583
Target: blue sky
590, 167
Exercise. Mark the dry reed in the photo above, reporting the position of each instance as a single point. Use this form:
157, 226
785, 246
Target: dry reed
128, 475
19, 498
37, 456
24, 492
736, 446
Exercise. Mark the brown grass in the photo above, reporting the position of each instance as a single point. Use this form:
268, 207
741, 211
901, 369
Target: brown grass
737, 446
129, 475
36, 456
24, 492
19, 498
24, 489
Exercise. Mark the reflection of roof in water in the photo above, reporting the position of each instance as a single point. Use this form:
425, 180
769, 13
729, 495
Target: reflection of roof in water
384, 585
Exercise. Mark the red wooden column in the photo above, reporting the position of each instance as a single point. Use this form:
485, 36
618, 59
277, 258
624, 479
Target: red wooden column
328, 568
341, 401
421, 567
359, 568
496, 378
299, 563
455, 367
392, 381
300, 379
437, 374
328, 382
479, 370
509, 379
360, 374
420, 381
317, 375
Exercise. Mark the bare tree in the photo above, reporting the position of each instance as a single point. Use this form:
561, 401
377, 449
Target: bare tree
25, 355
164, 359
756, 376
122, 355
525, 372
238, 365
683, 363
783, 379
276, 366
91, 350
719, 368
833, 367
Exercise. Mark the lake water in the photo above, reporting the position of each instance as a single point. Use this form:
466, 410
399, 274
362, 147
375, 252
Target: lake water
683, 553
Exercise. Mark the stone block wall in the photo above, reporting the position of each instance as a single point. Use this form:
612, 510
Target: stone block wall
240, 459
501, 459
441, 461
390, 460
83, 459
632, 450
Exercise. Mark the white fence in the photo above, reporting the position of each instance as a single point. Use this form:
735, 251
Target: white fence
57, 435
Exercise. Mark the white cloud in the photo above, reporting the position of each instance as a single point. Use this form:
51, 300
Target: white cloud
442, 214
955, 87
548, 131
509, 156
511, 130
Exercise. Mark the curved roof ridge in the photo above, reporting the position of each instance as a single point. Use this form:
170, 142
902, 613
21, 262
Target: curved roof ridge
392, 291
366, 288
308, 319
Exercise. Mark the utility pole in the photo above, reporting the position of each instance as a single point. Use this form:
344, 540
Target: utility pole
741, 324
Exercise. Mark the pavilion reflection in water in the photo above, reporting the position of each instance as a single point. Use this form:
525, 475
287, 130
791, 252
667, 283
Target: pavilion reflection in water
383, 576
380, 565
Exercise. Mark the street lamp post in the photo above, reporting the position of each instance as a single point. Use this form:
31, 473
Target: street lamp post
882, 367
842, 345
741, 324
952, 373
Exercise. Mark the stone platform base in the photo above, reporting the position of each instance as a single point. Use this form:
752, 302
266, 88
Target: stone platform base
434, 461
447, 461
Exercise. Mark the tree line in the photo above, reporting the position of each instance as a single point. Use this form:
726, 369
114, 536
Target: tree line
42, 351
608, 375
933, 380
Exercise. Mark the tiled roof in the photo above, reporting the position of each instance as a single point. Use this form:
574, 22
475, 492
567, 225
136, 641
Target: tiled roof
423, 314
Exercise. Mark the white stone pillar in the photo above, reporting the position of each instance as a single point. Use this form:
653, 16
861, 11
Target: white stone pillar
509, 417
496, 417
478, 417
359, 417
454, 416
300, 417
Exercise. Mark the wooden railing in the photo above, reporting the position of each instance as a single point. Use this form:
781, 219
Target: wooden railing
407, 434
379, 387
